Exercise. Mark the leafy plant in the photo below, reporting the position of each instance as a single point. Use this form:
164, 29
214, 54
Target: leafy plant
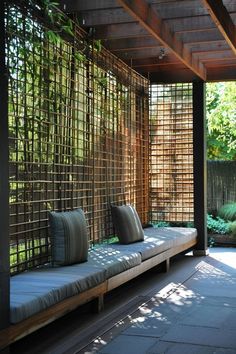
173, 223
221, 120
228, 212
211, 242
233, 228
98, 45
161, 224
217, 225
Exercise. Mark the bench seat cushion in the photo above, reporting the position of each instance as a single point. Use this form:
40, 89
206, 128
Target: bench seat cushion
35, 291
113, 260
176, 236
148, 248
157, 240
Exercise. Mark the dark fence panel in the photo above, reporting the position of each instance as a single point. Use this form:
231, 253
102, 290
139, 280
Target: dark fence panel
221, 184
78, 130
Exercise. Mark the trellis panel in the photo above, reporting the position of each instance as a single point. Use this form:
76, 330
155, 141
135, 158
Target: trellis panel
171, 153
78, 132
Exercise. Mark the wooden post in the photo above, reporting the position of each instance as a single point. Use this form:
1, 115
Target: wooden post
200, 167
4, 194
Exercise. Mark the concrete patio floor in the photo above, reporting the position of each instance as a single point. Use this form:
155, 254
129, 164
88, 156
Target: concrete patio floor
189, 310
194, 316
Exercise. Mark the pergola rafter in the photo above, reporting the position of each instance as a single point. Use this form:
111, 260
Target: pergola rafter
223, 21
153, 23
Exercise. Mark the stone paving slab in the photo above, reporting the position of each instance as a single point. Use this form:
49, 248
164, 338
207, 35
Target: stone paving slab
196, 317
211, 316
180, 348
214, 337
128, 345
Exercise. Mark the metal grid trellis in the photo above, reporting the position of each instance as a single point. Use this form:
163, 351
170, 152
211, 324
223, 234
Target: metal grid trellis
171, 153
78, 132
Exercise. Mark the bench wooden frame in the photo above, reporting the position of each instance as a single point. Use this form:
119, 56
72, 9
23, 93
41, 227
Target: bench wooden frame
22, 329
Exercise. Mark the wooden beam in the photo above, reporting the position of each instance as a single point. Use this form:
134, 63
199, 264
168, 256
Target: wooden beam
103, 17
222, 73
155, 68
153, 23
210, 35
125, 44
141, 53
116, 31
220, 55
168, 77
85, 5
223, 21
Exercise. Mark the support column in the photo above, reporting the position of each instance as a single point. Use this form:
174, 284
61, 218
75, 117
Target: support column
4, 193
200, 167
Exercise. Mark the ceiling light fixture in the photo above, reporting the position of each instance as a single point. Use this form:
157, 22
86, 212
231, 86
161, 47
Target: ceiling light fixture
162, 53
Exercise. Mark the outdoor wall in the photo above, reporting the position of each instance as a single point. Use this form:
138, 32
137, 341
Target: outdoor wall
78, 130
221, 184
171, 153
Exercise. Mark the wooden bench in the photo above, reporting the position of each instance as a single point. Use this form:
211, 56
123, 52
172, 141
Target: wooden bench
186, 240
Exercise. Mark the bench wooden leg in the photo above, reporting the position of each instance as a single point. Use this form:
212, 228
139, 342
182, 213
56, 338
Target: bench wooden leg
165, 266
98, 304
162, 267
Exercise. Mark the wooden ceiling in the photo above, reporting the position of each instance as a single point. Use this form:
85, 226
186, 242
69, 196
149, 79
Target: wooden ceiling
165, 40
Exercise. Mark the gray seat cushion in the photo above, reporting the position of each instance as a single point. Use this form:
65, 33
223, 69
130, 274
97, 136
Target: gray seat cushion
157, 240
113, 260
148, 248
69, 237
127, 224
35, 291
176, 236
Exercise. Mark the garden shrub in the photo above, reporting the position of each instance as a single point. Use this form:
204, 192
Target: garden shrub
161, 224
173, 224
228, 212
217, 225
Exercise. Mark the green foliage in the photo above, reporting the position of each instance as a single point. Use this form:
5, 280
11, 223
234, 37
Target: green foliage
98, 45
228, 212
80, 57
160, 224
211, 242
233, 228
172, 223
221, 120
217, 225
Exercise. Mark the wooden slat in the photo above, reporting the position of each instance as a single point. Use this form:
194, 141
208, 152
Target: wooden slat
103, 16
126, 44
115, 31
86, 5
153, 23
223, 21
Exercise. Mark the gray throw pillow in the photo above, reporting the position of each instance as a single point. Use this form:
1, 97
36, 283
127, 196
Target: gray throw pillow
69, 237
127, 224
